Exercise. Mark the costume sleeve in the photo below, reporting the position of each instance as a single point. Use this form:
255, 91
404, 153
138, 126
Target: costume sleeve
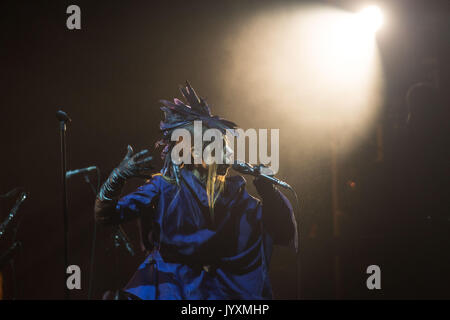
278, 215
130, 206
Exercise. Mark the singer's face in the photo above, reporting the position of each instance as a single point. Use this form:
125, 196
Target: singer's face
224, 160
227, 158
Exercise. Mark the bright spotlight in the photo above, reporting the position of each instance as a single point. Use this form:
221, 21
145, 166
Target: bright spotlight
322, 63
370, 18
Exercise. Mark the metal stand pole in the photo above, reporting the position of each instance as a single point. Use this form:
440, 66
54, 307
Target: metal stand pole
63, 119
94, 238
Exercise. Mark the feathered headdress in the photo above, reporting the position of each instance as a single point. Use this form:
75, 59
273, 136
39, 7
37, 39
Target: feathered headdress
178, 114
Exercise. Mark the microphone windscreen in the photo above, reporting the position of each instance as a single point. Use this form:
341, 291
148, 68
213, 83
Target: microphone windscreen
62, 116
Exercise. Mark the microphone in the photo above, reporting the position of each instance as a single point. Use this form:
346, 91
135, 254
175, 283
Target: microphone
62, 116
23, 196
80, 171
246, 168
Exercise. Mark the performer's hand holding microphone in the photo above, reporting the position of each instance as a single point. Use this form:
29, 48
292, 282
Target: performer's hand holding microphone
246, 168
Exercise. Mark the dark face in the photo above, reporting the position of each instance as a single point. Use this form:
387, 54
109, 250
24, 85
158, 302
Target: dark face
226, 158
222, 169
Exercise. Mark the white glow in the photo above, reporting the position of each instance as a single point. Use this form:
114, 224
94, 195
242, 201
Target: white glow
311, 67
370, 19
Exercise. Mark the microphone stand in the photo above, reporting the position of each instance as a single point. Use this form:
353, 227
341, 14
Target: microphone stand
9, 255
94, 236
119, 239
63, 119
118, 236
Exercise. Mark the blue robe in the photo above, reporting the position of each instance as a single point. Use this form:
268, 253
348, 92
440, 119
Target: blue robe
195, 256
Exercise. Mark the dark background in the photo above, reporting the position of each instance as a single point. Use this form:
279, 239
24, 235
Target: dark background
109, 76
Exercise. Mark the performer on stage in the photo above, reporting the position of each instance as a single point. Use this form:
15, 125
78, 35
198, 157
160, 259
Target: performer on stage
207, 238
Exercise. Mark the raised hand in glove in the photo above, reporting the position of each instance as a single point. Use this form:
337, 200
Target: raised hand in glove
131, 166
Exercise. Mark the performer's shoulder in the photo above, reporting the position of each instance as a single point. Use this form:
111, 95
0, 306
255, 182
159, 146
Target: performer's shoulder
163, 180
158, 179
236, 180
235, 185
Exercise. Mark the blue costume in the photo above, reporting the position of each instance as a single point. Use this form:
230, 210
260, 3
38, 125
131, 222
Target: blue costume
193, 258
202, 244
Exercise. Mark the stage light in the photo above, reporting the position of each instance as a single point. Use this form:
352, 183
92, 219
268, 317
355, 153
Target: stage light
370, 19
320, 63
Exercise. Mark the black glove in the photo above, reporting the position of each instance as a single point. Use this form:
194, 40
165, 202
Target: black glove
130, 167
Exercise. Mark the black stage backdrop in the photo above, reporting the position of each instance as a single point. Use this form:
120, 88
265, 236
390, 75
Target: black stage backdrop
109, 76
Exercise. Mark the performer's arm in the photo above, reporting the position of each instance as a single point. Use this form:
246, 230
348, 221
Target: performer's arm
278, 215
106, 203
